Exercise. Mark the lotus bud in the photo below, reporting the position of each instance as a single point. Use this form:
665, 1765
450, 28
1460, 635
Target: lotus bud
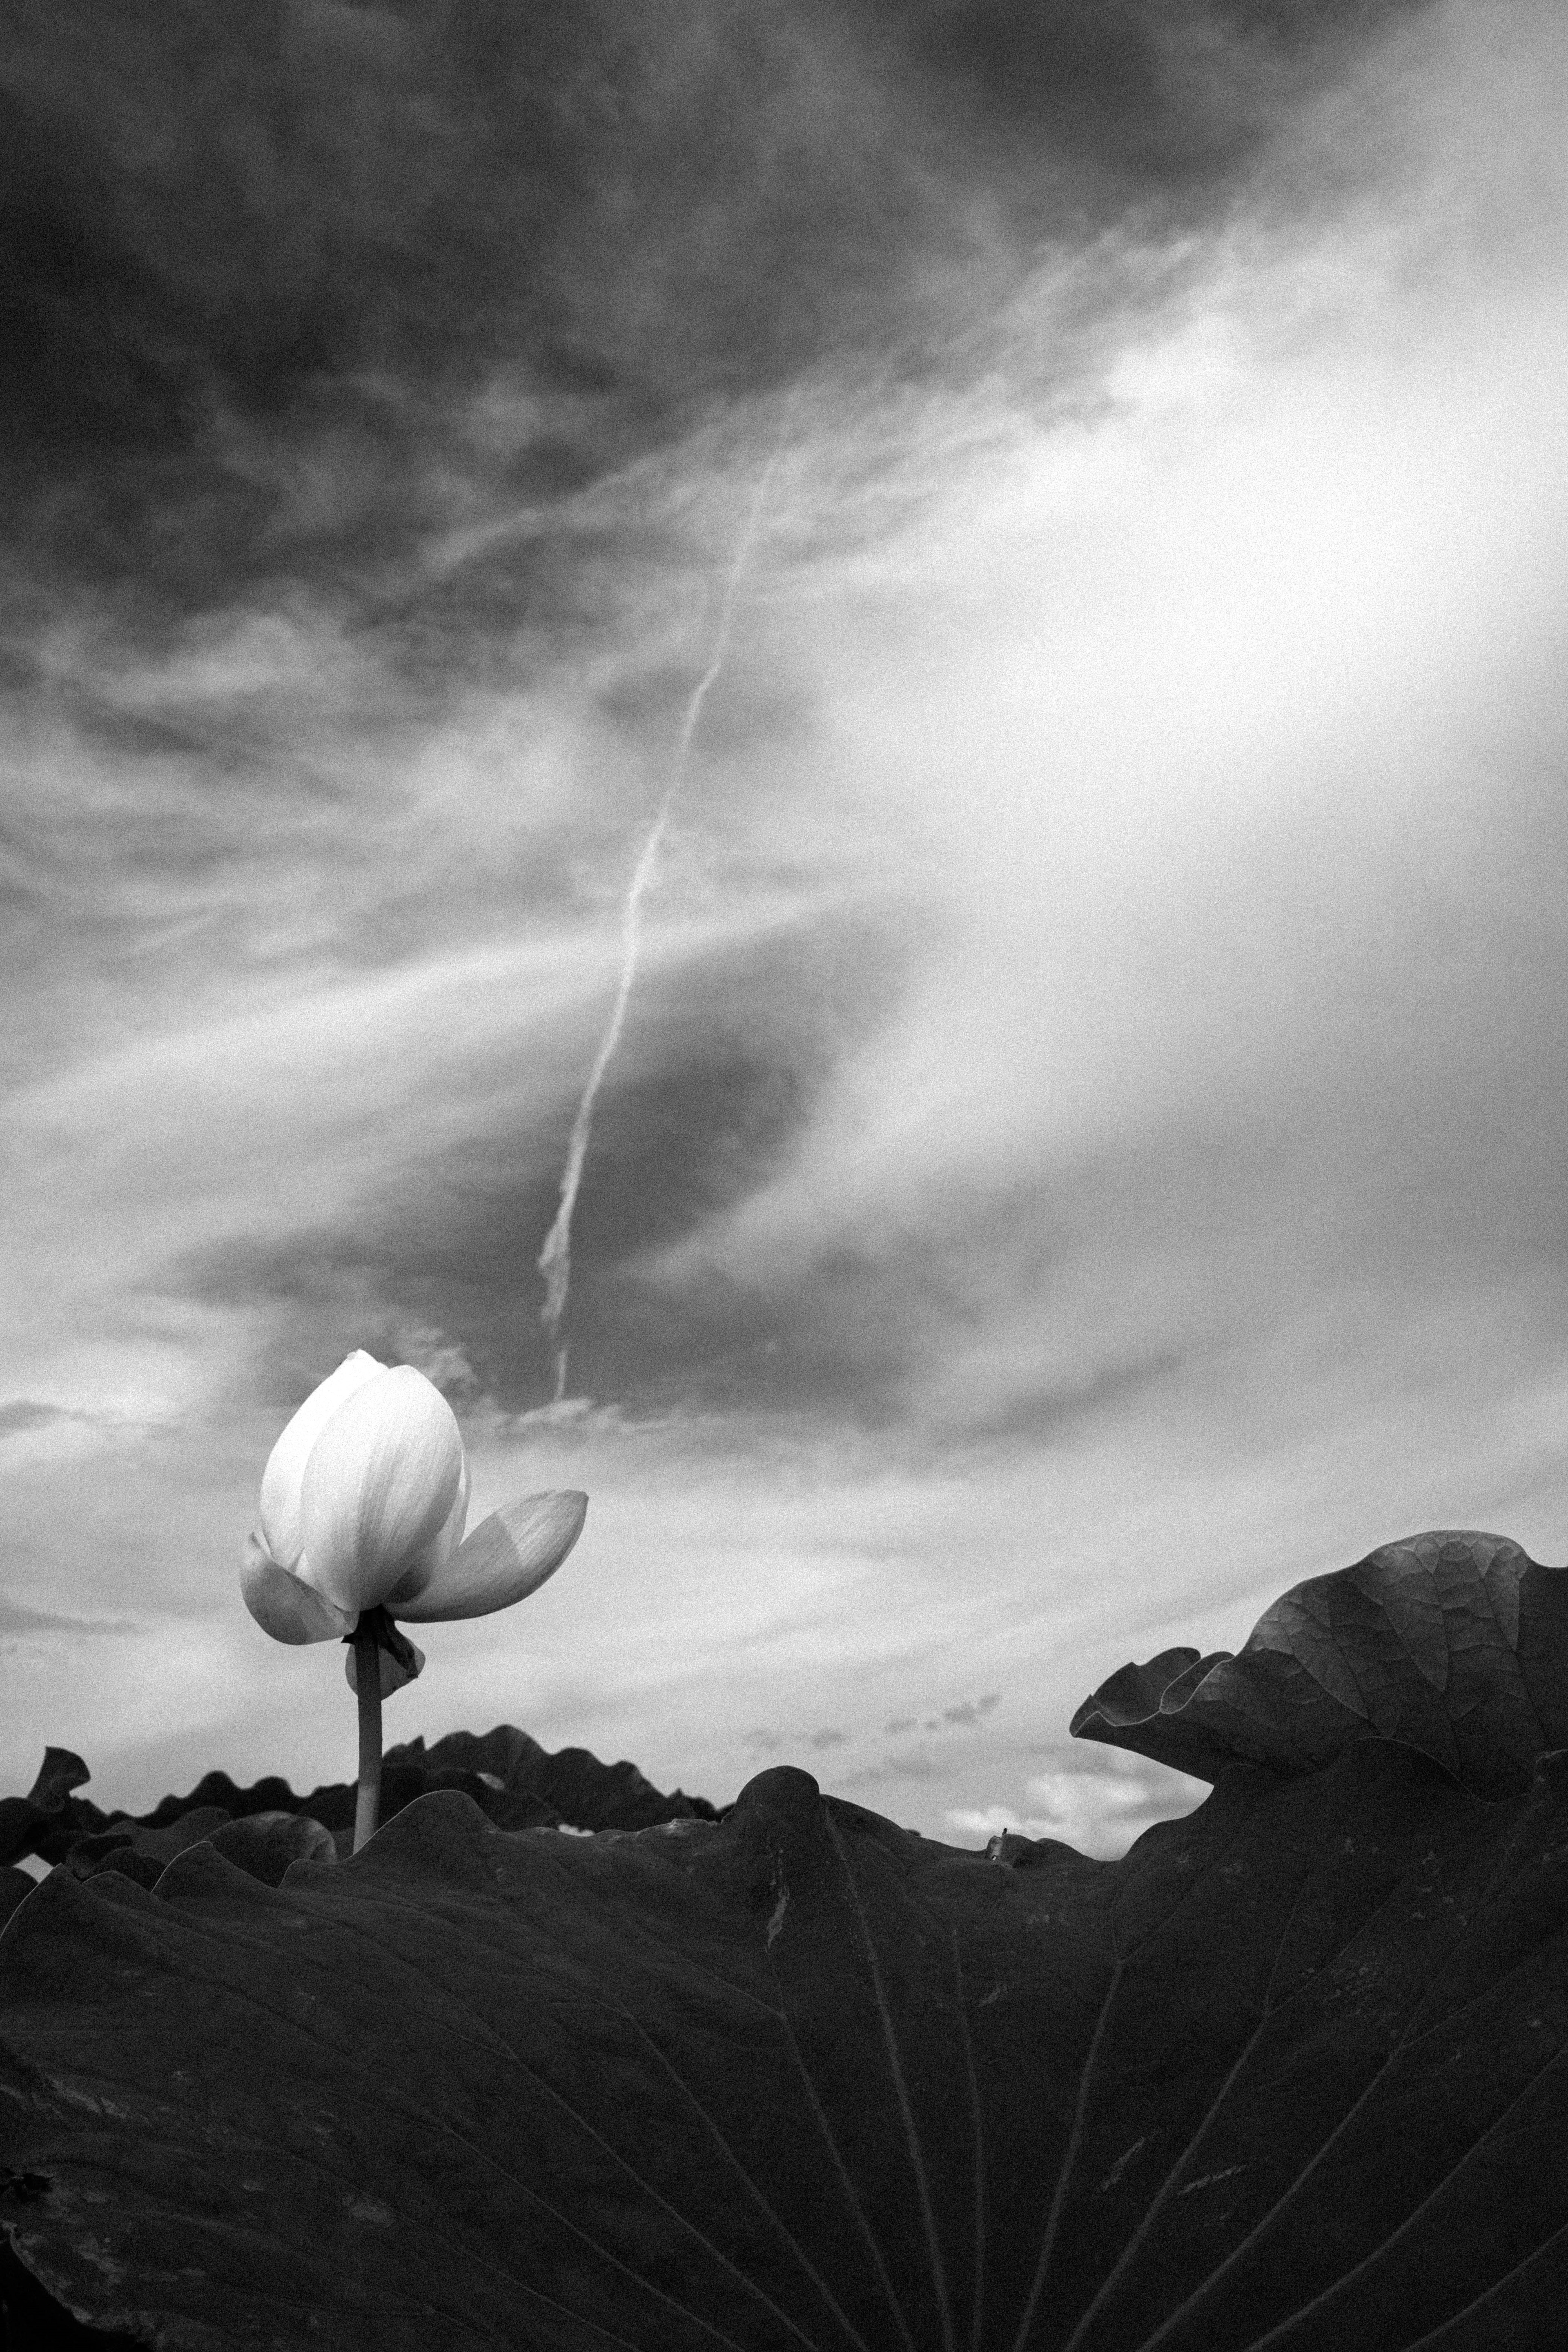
360, 1518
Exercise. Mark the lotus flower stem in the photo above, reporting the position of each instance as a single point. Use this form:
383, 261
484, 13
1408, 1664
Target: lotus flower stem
367, 1676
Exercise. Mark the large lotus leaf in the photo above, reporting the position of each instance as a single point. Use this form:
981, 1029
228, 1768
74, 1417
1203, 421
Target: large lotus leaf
32, 2320
1456, 1645
266, 1844
1289, 2074
15, 1885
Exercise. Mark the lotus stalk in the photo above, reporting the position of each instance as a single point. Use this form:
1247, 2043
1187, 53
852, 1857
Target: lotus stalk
360, 1528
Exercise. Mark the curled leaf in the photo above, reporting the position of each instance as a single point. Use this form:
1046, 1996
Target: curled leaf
27, 1821
1453, 1644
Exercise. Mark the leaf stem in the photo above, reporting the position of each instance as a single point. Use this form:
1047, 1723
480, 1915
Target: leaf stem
367, 1679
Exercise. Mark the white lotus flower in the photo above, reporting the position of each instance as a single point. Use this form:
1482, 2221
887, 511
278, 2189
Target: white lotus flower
362, 1504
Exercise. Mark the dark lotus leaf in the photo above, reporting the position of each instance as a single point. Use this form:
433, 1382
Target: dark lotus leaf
269, 1844
573, 1783
513, 1781
15, 1885
76, 1819
30, 2320
1456, 1645
216, 1789
138, 1851
1289, 2074
404, 1779
266, 1844
516, 1784
40, 1814
61, 1772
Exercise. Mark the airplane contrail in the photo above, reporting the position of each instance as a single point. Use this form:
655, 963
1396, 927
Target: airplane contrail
556, 1257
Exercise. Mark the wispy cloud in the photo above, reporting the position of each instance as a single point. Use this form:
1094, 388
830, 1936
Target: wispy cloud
15, 1619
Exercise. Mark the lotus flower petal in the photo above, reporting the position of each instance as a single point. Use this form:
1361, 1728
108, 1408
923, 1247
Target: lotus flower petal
437, 1552
284, 1607
284, 1476
507, 1556
392, 1675
380, 1484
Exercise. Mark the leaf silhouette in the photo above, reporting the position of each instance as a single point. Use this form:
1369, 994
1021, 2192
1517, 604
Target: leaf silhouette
515, 1782
1289, 2074
1453, 1644
266, 1844
570, 1785
26, 1821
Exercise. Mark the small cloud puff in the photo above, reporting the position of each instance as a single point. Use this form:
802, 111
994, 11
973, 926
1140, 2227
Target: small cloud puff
442, 1359
964, 1714
1101, 1805
969, 1711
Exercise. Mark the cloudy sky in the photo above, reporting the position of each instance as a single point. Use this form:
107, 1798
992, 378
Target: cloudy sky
1087, 1145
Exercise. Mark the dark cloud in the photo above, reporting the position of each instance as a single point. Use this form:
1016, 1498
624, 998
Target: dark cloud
295, 288
829, 1739
20, 1412
709, 1098
855, 1331
452, 1249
